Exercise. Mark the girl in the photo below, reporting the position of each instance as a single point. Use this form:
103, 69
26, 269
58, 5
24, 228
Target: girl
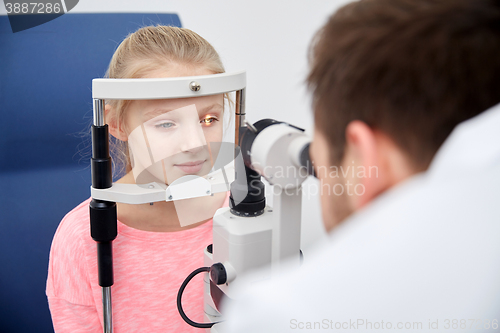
157, 245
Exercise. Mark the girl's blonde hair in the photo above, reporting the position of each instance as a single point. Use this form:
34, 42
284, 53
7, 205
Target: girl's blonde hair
144, 51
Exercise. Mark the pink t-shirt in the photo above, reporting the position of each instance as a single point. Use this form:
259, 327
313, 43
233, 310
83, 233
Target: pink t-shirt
149, 268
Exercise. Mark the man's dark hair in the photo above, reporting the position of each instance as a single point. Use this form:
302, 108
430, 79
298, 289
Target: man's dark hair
412, 69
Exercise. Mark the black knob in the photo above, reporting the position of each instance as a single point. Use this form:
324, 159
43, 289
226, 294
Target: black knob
218, 273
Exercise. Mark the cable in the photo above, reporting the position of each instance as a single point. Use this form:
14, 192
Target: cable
179, 299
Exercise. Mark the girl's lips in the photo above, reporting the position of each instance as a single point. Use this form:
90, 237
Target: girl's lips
191, 167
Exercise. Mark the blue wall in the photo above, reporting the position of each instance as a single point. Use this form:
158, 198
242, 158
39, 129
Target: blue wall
46, 108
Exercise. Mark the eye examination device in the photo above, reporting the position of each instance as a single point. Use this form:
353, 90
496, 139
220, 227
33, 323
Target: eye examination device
249, 234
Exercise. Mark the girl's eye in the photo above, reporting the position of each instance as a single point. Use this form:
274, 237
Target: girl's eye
164, 125
208, 120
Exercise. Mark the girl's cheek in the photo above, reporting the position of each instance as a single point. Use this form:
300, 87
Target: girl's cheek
214, 134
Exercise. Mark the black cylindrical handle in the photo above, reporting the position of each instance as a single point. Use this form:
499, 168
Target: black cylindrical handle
103, 217
103, 230
101, 160
247, 185
105, 264
103, 220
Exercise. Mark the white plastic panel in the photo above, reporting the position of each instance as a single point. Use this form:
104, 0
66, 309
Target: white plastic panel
164, 88
154, 192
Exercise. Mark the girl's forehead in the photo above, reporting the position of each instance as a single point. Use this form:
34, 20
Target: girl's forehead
152, 108
177, 103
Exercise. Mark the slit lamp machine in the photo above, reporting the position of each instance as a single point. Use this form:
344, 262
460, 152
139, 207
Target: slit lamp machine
247, 235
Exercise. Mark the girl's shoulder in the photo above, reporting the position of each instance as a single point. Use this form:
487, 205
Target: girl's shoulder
71, 249
76, 223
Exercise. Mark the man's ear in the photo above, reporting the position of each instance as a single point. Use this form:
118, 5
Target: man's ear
371, 154
115, 127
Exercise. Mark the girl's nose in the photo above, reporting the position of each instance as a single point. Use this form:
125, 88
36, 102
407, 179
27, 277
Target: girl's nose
192, 149
193, 139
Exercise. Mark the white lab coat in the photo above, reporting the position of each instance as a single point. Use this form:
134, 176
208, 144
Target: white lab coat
424, 256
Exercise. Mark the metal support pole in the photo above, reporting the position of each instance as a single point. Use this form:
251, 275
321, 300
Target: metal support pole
106, 309
98, 112
240, 115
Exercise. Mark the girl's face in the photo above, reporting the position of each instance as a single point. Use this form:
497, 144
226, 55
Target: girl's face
172, 138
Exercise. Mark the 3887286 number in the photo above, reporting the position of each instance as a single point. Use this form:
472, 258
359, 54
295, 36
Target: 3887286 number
33, 8
479, 324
